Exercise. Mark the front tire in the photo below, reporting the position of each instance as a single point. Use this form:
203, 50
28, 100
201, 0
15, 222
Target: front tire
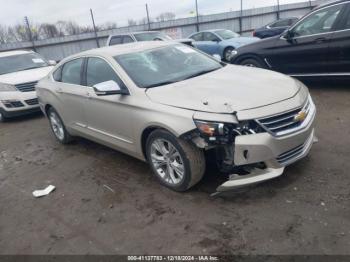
176, 164
252, 62
58, 128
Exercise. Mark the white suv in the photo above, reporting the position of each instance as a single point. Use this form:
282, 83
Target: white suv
19, 73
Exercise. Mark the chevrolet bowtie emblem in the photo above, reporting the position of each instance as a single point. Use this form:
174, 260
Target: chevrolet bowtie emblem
300, 117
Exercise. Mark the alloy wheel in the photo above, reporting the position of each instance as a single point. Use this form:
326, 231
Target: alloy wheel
57, 126
167, 161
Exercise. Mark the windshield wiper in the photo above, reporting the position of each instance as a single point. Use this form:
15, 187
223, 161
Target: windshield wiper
161, 84
201, 73
33, 67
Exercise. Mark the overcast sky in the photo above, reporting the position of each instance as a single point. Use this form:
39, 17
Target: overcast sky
119, 11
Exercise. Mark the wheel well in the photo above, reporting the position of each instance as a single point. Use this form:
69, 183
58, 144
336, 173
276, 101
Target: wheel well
249, 56
47, 107
145, 135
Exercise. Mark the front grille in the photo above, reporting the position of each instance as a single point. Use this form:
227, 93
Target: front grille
26, 87
291, 154
281, 124
32, 102
13, 104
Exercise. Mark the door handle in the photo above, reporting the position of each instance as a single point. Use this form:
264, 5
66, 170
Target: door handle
88, 95
320, 40
59, 90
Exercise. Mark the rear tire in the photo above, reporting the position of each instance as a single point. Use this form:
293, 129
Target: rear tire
176, 163
252, 62
58, 128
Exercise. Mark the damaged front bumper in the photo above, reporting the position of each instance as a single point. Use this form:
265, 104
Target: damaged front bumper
274, 167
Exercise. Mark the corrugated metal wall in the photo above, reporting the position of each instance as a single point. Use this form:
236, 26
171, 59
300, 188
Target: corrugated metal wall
59, 48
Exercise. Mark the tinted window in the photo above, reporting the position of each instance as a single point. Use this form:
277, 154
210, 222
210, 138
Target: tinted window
346, 23
210, 37
226, 34
99, 71
116, 40
281, 23
127, 39
197, 37
71, 72
150, 36
321, 21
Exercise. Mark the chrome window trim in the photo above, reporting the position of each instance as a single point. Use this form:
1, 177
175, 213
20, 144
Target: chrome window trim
311, 13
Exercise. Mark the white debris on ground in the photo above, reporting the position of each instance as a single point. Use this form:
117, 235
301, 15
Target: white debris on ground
44, 192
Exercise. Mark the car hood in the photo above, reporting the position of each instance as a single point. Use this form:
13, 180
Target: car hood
227, 90
239, 41
25, 76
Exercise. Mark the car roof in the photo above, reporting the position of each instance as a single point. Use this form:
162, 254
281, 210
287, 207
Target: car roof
126, 48
12, 53
330, 3
135, 33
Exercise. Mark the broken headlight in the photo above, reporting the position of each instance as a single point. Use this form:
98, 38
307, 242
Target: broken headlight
225, 132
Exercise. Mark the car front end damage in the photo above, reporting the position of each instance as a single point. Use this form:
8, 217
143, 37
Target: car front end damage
255, 149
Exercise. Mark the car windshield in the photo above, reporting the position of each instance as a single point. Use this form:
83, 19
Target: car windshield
150, 36
166, 65
10, 64
226, 34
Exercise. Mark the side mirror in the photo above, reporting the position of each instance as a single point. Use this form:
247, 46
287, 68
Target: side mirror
288, 35
109, 88
52, 62
217, 57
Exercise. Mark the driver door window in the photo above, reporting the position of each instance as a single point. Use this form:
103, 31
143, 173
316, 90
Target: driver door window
319, 22
210, 37
99, 71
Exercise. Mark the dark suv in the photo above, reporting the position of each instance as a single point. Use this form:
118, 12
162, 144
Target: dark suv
274, 28
317, 45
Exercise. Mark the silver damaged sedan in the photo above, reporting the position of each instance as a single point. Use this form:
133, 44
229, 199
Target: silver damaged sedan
178, 109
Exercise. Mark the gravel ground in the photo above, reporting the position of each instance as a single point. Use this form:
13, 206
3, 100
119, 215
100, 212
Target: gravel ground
108, 203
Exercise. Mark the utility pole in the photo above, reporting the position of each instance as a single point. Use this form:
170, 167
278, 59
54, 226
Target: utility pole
241, 19
95, 31
197, 16
310, 3
29, 30
278, 9
148, 20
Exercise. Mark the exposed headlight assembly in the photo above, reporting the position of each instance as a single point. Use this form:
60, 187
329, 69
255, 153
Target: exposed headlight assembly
7, 88
224, 133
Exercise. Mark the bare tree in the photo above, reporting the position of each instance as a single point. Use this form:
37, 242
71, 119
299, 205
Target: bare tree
48, 31
165, 16
108, 26
4, 37
131, 22
143, 21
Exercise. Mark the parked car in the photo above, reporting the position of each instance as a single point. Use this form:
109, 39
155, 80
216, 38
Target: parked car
221, 42
168, 104
274, 28
143, 36
19, 73
317, 45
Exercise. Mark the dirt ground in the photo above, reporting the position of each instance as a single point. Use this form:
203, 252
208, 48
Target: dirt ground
108, 203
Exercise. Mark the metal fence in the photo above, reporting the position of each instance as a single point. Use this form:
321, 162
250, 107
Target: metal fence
243, 21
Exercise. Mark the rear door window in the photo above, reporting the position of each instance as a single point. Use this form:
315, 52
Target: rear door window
116, 40
197, 37
71, 72
127, 39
